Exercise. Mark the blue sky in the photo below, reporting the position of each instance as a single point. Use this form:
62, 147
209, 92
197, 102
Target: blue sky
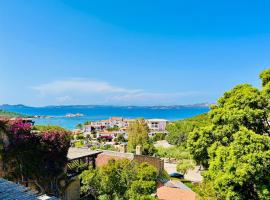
130, 52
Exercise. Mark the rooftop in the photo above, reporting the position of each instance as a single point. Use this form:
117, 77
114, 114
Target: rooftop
129, 156
174, 190
74, 153
13, 191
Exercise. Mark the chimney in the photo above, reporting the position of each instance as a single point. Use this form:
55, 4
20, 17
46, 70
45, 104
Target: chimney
123, 148
138, 150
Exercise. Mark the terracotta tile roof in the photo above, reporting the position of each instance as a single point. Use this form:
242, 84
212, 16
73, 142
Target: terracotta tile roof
106, 132
103, 158
117, 118
168, 193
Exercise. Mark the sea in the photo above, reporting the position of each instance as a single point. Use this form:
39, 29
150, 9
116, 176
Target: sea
95, 113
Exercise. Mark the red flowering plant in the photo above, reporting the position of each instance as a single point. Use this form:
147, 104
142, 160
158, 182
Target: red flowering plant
20, 156
54, 146
38, 157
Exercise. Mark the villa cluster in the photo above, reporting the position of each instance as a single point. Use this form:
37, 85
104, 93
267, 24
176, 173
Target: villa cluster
110, 128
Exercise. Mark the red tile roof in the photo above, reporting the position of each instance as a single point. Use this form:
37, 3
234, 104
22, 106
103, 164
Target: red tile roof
168, 193
103, 159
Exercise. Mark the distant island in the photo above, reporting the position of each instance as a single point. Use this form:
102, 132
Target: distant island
198, 105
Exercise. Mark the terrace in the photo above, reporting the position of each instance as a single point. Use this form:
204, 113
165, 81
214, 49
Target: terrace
80, 159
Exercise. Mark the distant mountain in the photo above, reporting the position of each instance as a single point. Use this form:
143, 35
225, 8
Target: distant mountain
199, 105
3, 106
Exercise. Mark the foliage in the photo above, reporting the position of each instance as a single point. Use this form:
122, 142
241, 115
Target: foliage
265, 77
8, 114
173, 152
198, 142
235, 148
79, 137
120, 179
78, 143
44, 128
164, 175
79, 126
120, 138
184, 165
115, 128
179, 130
205, 191
158, 137
242, 106
87, 123
3, 135
104, 147
138, 135
241, 169
39, 157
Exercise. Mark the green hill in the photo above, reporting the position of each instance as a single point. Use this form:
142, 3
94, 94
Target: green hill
179, 130
4, 113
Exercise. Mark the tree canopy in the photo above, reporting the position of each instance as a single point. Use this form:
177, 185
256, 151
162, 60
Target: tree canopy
179, 130
121, 180
265, 77
234, 148
241, 169
138, 135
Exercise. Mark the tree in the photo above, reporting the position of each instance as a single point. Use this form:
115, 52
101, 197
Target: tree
38, 157
206, 191
158, 137
236, 146
179, 130
138, 135
265, 77
3, 139
184, 165
120, 138
120, 179
241, 169
79, 126
114, 128
87, 123
242, 106
198, 142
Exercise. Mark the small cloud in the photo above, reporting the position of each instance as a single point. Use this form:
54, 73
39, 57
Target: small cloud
80, 85
87, 91
153, 97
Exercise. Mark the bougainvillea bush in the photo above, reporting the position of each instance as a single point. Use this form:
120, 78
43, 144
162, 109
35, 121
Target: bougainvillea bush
35, 157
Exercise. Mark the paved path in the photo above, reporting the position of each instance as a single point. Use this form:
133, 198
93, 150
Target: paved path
192, 175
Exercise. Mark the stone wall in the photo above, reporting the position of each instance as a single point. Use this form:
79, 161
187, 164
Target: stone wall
156, 162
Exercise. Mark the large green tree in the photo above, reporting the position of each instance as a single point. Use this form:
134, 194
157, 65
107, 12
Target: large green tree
241, 169
235, 147
242, 106
121, 180
138, 135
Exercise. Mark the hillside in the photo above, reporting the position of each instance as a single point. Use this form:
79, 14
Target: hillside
4, 113
179, 130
